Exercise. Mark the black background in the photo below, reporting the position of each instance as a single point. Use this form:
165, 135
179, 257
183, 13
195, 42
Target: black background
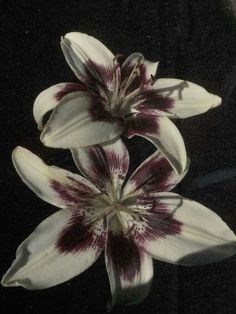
195, 41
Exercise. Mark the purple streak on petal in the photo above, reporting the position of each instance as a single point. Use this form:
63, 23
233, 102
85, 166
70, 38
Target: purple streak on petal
124, 255
78, 237
69, 88
75, 193
151, 100
160, 221
98, 112
98, 76
141, 124
103, 165
99, 171
153, 176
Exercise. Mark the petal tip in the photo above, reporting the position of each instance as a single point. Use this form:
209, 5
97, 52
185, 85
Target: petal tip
45, 138
4, 282
17, 150
40, 126
7, 282
217, 102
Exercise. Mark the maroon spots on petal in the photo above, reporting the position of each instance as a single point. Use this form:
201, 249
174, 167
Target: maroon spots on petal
69, 88
118, 164
161, 228
104, 164
79, 237
141, 124
73, 193
151, 100
124, 255
154, 175
160, 221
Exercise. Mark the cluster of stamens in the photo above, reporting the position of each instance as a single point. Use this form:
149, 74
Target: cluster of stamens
120, 96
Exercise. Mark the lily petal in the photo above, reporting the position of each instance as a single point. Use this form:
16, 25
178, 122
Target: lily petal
54, 185
150, 101
163, 134
184, 232
104, 165
56, 251
188, 99
79, 120
130, 269
155, 174
91, 61
50, 97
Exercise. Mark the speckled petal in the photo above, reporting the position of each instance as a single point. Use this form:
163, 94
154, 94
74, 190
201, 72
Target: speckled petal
129, 268
105, 165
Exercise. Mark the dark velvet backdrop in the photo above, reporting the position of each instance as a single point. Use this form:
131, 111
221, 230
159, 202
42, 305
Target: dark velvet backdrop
196, 41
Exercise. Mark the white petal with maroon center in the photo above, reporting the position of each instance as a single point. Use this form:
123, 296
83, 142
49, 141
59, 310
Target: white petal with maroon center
129, 268
138, 222
181, 231
60, 248
118, 97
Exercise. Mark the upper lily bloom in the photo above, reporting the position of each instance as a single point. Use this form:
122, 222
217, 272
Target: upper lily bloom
113, 99
133, 220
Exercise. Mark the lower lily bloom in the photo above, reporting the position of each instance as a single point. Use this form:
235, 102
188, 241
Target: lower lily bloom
113, 99
133, 220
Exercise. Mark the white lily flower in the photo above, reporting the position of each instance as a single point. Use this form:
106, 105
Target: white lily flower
132, 220
112, 99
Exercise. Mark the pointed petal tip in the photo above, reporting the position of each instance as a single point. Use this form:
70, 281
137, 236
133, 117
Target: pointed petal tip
8, 284
45, 139
17, 151
11, 282
7, 281
17, 148
62, 42
70, 34
183, 169
217, 102
203, 237
42, 138
4, 281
